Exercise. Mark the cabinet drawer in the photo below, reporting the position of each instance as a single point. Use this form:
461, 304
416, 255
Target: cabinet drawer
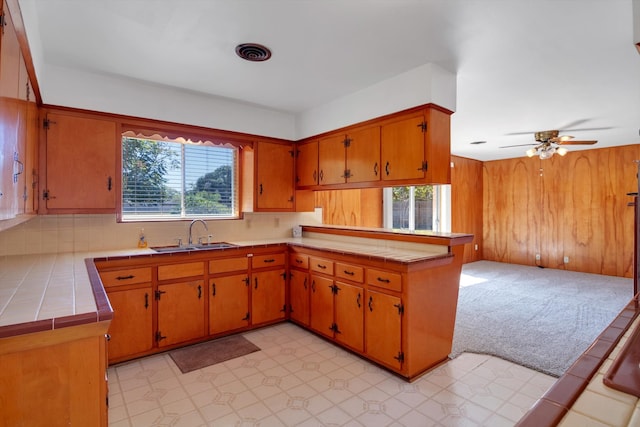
321, 265
126, 277
225, 265
176, 271
269, 260
350, 272
299, 260
384, 279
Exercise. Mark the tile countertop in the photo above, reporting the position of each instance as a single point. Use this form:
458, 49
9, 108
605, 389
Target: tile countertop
48, 291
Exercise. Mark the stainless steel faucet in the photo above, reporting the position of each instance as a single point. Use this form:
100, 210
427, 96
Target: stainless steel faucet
191, 229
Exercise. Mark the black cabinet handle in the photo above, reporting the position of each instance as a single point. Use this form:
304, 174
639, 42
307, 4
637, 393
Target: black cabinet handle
322, 266
375, 169
386, 168
299, 261
380, 279
109, 184
256, 283
260, 189
370, 303
199, 291
313, 286
349, 273
315, 176
270, 260
131, 276
358, 300
146, 300
214, 289
321, 175
305, 283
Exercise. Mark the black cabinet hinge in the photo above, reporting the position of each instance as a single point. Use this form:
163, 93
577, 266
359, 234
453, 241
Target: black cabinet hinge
347, 142
158, 294
423, 126
400, 308
45, 194
424, 167
159, 336
334, 289
284, 308
334, 328
399, 357
347, 173
293, 153
3, 22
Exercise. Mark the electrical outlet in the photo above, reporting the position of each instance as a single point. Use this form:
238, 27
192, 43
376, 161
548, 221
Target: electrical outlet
476, 247
566, 260
537, 257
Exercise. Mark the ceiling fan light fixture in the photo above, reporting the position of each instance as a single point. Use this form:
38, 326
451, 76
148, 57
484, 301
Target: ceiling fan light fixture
561, 151
531, 152
546, 154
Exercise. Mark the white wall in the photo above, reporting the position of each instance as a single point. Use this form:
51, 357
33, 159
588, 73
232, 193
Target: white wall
428, 83
98, 92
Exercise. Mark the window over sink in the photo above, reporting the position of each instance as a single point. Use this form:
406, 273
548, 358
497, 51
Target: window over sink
165, 178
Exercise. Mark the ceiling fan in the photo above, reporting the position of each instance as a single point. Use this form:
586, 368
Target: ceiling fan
549, 142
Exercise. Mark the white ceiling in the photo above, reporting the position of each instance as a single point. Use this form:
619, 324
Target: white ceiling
521, 65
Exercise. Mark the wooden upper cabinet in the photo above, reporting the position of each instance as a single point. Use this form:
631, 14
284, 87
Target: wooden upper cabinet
307, 164
80, 164
274, 186
331, 160
363, 155
403, 148
411, 147
350, 158
9, 58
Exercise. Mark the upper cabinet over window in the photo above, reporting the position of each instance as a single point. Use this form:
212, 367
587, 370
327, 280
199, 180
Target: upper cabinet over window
410, 147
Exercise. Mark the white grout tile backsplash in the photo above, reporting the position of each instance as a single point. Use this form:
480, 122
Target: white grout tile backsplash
90, 233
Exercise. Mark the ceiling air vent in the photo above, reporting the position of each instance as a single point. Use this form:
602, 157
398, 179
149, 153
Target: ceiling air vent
253, 52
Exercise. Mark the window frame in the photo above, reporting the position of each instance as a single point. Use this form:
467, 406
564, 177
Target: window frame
441, 221
179, 136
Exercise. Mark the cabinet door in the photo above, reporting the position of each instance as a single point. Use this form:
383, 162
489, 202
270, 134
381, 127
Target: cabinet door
321, 310
403, 149
131, 329
81, 159
180, 312
274, 176
307, 164
9, 58
331, 160
383, 320
363, 155
268, 296
228, 303
299, 296
349, 303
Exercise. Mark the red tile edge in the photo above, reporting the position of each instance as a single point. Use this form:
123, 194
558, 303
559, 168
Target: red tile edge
74, 320
556, 402
26, 328
543, 413
105, 312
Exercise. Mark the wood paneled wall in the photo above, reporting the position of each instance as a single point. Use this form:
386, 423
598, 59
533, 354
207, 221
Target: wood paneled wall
466, 204
358, 207
573, 206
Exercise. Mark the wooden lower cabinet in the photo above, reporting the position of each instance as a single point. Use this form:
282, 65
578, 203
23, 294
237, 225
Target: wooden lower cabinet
383, 317
55, 377
321, 306
268, 296
131, 330
181, 315
228, 303
349, 315
399, 315
299, 296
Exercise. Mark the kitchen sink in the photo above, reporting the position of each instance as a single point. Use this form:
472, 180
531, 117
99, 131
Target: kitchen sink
198, 247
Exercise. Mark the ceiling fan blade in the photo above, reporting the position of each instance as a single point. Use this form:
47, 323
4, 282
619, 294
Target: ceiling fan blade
576, 142
517, 145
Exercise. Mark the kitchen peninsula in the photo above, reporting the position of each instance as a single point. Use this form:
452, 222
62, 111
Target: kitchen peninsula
412, 276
